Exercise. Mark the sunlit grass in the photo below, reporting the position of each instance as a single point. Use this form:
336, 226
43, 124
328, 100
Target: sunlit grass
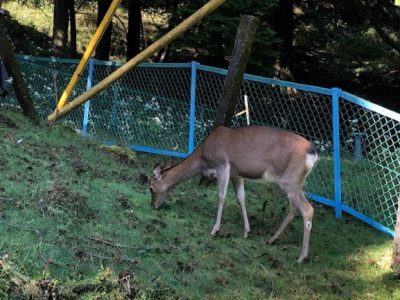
41, 19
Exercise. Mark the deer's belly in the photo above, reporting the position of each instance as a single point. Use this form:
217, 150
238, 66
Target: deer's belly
267, 177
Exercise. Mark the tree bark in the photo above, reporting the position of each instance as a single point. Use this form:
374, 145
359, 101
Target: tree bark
60, 28
104, 46
240, 56
282, 22
14, 71
72, 22
172, 22
396, 251
134, 28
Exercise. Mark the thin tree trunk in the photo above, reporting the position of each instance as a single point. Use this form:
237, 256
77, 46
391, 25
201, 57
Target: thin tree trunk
282, 21
240, 56
60, 28
134, 28
14, 71
173, 21
104, 46
72, 22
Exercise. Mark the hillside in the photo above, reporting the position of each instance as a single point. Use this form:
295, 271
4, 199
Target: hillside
75, 221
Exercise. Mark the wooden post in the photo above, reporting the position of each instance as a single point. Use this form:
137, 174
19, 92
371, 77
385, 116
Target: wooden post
14, 71
240, 56
145, 54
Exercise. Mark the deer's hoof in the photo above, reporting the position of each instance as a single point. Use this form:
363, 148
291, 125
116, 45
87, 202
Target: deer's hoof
214, 231
271, 240
301, 259
246, 234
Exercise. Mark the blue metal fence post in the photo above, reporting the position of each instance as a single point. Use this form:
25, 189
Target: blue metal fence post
87, 104
192, 115
336, 151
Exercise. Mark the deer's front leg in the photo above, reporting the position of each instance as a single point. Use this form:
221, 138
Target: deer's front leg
240, 195
223, 180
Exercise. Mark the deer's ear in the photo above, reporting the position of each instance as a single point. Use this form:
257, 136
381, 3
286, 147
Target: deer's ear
157, 171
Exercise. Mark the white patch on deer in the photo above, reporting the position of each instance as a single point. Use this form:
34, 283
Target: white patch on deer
310, 160
210, 173
308, 225
267, 177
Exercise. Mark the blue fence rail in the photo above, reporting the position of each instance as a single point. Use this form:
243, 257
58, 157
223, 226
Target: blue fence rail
169, 108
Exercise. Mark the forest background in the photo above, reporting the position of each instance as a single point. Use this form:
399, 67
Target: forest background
350, 44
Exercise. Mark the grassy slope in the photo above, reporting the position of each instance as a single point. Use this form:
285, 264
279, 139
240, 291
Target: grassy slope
78, 222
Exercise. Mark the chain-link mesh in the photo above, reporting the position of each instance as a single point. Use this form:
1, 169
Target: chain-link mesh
47, 79
150, 107
305, 113
370, 162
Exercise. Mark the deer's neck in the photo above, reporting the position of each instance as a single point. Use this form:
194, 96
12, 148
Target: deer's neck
185, 170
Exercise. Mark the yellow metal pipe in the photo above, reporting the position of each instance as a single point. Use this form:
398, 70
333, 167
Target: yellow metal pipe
145, 54
88, 53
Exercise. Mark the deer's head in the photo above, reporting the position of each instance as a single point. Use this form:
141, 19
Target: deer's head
158, 188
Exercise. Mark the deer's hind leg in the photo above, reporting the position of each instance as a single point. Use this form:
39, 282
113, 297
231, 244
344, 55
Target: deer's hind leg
307, 211
290, 216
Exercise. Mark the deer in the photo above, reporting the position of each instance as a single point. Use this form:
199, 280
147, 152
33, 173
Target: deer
258, 153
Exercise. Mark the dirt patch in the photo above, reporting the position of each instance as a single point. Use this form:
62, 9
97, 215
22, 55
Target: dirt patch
62, 198
71, 149
123, 200
186, 267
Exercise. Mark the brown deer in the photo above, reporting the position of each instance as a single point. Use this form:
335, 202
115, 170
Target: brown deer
253, 152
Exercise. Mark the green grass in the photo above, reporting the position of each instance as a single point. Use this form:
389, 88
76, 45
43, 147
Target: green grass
76, 219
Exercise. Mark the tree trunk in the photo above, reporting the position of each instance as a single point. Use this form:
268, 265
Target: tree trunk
172, 22
282, 22
240, 56
72, 22
104, 46
14, 71
60, 28
396, 251
134, 28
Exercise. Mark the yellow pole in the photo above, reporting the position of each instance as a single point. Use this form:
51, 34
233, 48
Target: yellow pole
146, 53
88, 53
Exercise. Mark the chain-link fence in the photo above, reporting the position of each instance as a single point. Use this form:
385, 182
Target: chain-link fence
170, 108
